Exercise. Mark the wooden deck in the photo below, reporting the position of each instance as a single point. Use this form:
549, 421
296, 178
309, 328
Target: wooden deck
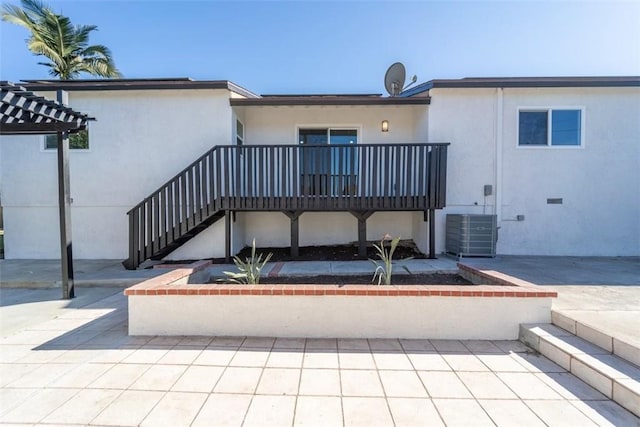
360, 179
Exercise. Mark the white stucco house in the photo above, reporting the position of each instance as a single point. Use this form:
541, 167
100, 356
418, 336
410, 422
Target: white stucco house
203, 167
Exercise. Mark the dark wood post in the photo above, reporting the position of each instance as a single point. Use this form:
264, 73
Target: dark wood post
64, 208
432, 234
295, 231
295, 236
227, 236
362, 231
362, 237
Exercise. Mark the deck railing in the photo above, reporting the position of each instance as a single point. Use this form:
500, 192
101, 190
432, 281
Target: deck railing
362, 177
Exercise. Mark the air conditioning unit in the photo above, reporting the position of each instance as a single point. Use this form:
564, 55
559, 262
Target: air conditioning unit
471, 235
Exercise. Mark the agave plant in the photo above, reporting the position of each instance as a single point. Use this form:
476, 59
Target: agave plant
384, 267
250, 269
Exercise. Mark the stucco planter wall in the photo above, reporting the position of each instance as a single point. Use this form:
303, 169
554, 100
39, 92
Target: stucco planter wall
172, 304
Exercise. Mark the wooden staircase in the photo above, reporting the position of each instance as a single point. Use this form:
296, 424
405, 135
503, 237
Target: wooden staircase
177, 211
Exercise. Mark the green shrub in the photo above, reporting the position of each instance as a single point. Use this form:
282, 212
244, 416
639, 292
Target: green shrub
250, 269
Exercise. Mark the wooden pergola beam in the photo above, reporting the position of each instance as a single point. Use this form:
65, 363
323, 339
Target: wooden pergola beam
23, 101
30, 128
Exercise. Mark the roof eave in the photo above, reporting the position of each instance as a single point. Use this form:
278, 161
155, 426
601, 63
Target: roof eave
136, 84
328, 101
524, 82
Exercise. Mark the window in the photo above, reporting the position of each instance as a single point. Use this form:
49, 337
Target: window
329, 171
337, 160
239, 133
550, 127
322, 136
77, 141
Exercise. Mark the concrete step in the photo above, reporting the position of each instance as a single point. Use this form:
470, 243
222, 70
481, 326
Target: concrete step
603, 338
611, 375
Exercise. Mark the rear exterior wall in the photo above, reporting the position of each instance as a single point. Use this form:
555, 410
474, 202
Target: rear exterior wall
139, 141
598, 182
279, 125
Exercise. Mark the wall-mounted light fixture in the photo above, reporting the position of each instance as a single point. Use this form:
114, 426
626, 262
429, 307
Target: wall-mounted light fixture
385, 126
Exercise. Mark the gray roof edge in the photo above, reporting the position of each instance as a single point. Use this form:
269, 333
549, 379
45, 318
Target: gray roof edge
320, 95
524, 82
329, 100
135, 84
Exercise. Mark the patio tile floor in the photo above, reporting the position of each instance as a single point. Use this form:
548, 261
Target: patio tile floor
285, 359
405, 412
84, 369
225, 409
198, 379
279, 381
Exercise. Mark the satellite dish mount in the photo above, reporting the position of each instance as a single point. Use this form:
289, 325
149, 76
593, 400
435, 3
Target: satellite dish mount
394, 79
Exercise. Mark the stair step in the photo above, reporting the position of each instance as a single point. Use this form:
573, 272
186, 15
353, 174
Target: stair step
180, 240
630, 351
611, 375
148, 264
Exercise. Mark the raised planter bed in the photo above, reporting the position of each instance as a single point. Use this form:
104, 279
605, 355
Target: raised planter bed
177, 303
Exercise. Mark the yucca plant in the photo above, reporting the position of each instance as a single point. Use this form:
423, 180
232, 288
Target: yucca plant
384, 267
250, 269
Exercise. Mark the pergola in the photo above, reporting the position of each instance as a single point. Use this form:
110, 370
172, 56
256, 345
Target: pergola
24, 113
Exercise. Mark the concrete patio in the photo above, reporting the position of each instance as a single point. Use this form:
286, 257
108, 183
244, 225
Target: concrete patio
72, 362
81, 367
602, 292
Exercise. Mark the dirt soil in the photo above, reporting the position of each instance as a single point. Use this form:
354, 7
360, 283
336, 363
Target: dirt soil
399, 279
405, 249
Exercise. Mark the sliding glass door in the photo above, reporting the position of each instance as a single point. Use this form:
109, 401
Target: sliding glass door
329, 161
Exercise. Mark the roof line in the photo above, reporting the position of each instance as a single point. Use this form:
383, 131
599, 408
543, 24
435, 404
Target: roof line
524, 82
160, 79
136, 84
328, 100
279, 95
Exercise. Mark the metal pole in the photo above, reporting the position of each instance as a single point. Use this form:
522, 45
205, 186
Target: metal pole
64, 206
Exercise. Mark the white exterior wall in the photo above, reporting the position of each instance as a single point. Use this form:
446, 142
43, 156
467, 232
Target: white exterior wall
143, 138
279, 125
322, 228
598, 182
139, 141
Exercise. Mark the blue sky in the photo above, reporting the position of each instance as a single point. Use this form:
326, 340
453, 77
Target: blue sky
346, 47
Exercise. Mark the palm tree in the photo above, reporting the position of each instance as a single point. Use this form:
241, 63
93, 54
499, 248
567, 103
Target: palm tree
65, 46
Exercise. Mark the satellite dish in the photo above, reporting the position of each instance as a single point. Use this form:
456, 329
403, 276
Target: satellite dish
394, 79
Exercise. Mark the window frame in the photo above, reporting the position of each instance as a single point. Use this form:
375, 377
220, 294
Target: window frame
321, 126
549, 110
240, 138
329, 128
45, 149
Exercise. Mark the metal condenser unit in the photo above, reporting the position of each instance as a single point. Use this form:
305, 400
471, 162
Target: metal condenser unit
471, 235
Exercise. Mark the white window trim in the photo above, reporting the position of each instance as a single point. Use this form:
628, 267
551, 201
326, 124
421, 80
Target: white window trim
235, 131
44, 149
538, 108
357, 128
